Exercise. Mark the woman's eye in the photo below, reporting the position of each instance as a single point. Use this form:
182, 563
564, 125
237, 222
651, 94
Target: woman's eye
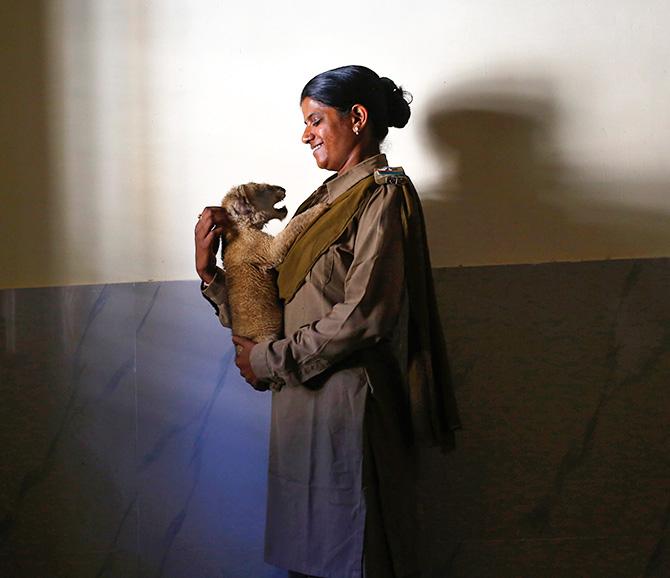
316, 122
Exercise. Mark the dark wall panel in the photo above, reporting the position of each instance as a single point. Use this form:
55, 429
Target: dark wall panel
132, 448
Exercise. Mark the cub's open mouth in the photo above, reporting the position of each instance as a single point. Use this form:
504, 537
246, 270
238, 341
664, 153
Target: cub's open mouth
280, 198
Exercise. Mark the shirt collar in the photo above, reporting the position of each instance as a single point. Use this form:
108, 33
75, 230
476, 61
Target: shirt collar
338, 184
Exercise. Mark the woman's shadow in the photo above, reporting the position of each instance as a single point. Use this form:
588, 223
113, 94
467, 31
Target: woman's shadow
506, 195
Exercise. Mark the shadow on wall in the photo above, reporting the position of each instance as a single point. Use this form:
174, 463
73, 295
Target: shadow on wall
510, 198
24, 179
70, 127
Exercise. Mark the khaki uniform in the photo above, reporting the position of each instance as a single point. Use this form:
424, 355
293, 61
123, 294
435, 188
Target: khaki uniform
341, 469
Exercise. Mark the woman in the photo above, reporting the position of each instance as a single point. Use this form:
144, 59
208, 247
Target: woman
362, 371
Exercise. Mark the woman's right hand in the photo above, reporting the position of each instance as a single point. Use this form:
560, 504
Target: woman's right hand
208, 231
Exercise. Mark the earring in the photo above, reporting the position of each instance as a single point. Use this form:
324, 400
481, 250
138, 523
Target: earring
356, 130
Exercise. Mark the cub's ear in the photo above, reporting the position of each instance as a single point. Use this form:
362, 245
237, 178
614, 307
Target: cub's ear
241, 204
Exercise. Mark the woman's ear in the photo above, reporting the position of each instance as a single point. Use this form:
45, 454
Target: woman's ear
359, 117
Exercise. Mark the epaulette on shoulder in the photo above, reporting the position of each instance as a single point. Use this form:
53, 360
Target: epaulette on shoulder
393, 175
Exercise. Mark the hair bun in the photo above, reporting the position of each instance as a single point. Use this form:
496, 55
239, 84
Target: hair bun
397, 102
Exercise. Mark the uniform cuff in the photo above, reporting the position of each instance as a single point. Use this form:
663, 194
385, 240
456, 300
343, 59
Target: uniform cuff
216, 290
258, 359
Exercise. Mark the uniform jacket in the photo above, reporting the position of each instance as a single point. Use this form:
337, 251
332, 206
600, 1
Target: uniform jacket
340, 440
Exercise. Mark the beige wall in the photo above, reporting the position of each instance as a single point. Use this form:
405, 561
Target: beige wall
540, 129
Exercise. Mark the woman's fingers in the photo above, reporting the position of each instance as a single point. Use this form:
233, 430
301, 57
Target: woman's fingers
210, 218
208, 230
243, 347
244, 342
210, 225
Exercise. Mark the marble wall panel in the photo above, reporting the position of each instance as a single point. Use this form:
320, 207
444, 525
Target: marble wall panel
68, 432
562, 373
132, 448
202, 443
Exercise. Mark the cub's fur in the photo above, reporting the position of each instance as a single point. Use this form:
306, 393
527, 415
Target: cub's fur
250, 256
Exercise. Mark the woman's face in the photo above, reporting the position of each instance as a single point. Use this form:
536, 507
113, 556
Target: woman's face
330, 135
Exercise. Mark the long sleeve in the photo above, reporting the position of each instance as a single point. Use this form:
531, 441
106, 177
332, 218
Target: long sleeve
217, 295
373, 292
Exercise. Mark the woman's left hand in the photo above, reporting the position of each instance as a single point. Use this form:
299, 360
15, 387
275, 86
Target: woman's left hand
243, 346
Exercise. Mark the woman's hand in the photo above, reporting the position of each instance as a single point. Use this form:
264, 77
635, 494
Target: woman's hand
243, 346
208, 231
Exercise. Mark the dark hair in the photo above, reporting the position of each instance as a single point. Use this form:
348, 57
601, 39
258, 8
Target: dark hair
342, 88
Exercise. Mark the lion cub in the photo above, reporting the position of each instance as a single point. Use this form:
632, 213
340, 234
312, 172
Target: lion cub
250, 256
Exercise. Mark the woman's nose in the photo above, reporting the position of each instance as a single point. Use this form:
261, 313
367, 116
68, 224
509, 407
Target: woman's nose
307, 135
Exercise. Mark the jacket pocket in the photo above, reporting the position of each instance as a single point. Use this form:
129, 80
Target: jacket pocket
322, 271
